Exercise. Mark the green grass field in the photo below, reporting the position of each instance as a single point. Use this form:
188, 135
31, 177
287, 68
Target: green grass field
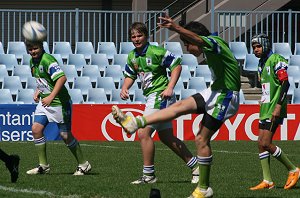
115, 164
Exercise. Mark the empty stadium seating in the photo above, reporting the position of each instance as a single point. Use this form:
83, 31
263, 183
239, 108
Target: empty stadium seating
99, 66
283, 49
239, 50
174, 47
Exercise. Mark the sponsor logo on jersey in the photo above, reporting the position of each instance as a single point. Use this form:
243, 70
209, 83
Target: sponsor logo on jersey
268, 70
41, 68
148, 61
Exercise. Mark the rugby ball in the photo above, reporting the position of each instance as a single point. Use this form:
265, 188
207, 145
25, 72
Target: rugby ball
34, 31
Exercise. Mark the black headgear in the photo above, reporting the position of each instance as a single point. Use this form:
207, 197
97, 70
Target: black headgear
263, 40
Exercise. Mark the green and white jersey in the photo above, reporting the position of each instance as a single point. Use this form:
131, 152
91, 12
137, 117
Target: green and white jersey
46, 71
271, 86
222, 63
151, 67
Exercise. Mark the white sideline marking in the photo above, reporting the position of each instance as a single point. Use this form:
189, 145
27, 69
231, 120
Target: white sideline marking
166, 149
36, 192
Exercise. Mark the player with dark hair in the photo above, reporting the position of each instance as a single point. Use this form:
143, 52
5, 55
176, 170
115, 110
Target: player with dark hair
54, 105
272, 74
218, 102
12, 164
150, 63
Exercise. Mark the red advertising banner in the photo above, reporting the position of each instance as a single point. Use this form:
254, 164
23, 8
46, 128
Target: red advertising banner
95, 122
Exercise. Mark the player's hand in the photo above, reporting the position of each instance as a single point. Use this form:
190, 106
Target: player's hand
167, 93
124, 94
166, 22
47, 101
36, 96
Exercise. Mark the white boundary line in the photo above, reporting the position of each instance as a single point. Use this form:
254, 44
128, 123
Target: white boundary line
35, 192
162, 149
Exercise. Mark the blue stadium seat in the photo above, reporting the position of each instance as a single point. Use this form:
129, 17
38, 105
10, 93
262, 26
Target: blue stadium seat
5, 97
295, 73
23, 71
239, 50
91, 71
197, 83
294, 61
106, 82
17, 48
9, 60
101, 60
108, 48
26, 96
120, 59
78, 60
46, 47
296, 99
204, 71
126, 47
297, 49
185, 93
85, 48
291, 91
97, 95
283, 49
26, 59
13, 83
251, 63
83, 83
58, 59
115, 72
31, 83
139, 96
71, 73
1, 48
191, 61
178, 87
3, 73
76, 96
174, 47
63, 48
185, 75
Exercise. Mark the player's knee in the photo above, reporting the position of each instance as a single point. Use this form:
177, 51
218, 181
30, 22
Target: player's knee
265, 145
143, 135
36, 130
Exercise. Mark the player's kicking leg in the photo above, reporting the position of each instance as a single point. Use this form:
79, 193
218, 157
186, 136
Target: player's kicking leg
129, 123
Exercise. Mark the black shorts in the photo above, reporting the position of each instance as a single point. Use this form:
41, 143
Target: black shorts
270, 126
208, 121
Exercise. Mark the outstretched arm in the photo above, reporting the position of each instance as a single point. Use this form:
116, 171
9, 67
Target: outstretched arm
188, 35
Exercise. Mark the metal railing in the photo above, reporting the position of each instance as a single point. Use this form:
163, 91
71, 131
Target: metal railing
79, 25
281, 26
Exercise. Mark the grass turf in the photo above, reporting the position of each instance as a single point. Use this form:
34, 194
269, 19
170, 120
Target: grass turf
235, 168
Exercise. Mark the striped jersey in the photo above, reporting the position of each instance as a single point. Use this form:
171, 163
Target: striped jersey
46, 72
222, 63
151, 67
271, 86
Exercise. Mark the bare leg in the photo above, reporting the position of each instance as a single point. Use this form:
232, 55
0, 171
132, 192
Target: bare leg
147, 145
177, 109
176, 145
